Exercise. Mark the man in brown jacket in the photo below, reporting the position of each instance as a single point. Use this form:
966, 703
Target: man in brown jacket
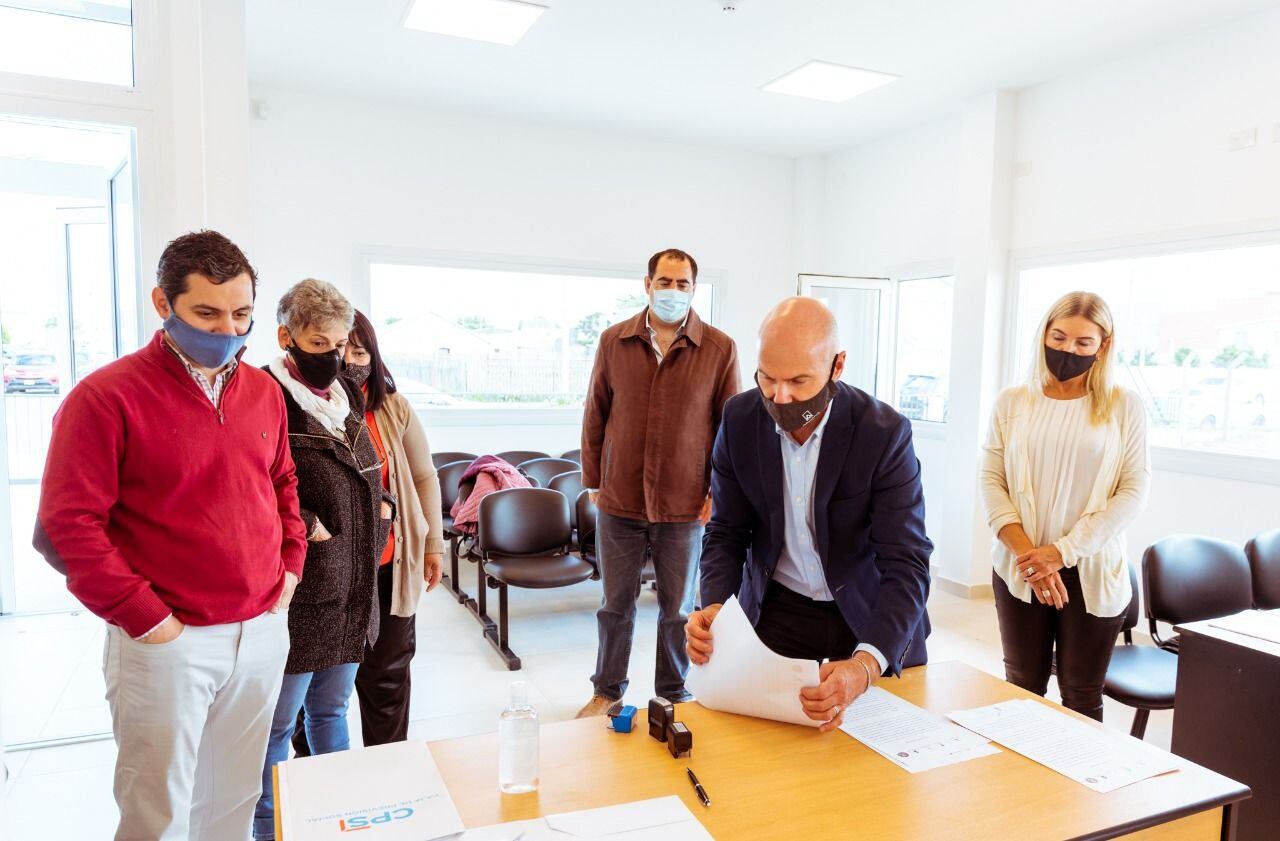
657, 389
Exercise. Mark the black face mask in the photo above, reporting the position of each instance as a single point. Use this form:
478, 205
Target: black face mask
318, 370
358, 374
1067, 366
791, 416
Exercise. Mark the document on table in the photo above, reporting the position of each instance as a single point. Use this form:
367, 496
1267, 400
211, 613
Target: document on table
1259, 624
659, 819
394, 788
908, 736
1094, 758
745, 677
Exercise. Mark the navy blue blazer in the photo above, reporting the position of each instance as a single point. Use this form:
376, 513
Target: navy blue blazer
868, 517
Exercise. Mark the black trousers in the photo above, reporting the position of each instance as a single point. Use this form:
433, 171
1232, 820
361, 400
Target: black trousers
382, 681
1034, 635
796, 626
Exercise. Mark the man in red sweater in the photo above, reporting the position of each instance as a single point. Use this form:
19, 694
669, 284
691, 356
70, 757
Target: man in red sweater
169, 501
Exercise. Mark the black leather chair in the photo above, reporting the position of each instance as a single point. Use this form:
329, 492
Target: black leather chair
573, 455
517, 457
1140, 676
542, 470
449, 475
570, 484
441, 459
1187, 578
523, 541
586, 519
1263, 553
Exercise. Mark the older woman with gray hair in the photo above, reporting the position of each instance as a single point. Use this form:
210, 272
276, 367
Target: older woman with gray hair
347, 513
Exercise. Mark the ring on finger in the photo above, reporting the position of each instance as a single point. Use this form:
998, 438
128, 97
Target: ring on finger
1045, 593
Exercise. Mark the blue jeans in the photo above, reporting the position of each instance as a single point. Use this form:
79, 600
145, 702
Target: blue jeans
620, 547
324, 697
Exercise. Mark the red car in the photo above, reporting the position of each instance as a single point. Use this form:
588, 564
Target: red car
32, 372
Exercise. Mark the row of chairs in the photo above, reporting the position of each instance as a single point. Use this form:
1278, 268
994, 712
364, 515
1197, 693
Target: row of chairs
539, 537
1186, 578
516, 457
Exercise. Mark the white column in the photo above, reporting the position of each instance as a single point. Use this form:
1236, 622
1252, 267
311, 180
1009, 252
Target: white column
983, 213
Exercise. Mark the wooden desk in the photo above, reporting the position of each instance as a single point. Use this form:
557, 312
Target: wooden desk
1225, 716
775, 781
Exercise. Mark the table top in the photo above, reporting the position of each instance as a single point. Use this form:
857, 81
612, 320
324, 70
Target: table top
772, 780
1206, 628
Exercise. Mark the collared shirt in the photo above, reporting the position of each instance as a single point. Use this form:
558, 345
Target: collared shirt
214, 391
800, 565
653, 334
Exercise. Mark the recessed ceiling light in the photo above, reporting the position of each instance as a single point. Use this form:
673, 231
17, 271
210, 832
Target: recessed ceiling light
495, 21
828, 82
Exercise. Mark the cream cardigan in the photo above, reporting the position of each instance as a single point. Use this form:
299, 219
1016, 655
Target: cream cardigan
1095, 545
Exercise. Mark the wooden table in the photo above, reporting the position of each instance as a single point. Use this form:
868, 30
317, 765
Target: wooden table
1224, 716
778, 781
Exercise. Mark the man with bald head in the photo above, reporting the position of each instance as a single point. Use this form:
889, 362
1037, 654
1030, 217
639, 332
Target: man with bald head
818, 523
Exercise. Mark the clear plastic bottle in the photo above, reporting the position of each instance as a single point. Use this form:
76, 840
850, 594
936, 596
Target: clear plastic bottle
518, 740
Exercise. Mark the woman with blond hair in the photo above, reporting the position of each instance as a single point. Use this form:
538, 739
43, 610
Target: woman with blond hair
1064, 472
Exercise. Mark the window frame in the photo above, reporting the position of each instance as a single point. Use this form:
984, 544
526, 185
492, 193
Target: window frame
890, 285
445, 416
1230, 466
907, 274
143, 94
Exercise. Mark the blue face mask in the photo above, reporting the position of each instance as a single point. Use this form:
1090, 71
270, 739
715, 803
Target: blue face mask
208, 350
671, 305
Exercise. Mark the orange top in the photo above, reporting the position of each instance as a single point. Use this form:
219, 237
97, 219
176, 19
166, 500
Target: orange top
388, 551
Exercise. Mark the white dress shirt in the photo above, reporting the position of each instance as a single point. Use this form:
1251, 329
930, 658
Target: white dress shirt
799, 564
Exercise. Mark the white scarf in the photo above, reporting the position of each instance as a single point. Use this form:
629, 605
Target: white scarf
332, 413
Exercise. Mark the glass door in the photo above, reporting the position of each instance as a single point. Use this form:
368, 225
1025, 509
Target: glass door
68, 289
862, 307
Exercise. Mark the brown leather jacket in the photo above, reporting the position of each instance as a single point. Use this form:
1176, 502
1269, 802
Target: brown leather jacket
647, 429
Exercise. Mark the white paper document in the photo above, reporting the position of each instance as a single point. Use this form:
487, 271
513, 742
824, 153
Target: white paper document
908, 736
659, 819
1259, 624
393, 788
745, 677
1094, 758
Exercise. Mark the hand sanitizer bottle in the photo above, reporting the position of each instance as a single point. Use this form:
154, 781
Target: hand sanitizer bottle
518, 738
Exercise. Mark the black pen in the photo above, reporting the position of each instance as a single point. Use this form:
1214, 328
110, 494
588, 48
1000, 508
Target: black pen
697, 786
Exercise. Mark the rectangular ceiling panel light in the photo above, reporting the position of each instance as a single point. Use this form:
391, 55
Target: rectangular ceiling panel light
494, 21
828, 82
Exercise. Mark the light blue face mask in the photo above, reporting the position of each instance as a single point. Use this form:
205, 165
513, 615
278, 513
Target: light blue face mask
208, 350
671, 305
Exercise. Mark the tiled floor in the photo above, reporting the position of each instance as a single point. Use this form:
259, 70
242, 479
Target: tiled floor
459, 688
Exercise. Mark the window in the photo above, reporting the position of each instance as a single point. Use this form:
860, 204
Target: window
498, 338
82, 40
1197, 336
924, 347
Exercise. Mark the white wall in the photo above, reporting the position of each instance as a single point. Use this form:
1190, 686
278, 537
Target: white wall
1132, 152
333, 176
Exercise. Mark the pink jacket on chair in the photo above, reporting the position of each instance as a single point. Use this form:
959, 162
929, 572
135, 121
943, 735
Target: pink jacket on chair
491, 474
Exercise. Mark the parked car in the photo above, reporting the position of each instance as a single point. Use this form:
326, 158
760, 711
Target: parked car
32, 372
924, 397
1209, 404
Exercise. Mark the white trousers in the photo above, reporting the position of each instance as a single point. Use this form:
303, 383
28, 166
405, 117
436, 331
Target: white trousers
191, 719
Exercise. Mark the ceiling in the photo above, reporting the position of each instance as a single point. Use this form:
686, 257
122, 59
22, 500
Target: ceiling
684, 70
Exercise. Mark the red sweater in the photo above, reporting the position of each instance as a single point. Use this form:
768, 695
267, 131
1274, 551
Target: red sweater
154, 502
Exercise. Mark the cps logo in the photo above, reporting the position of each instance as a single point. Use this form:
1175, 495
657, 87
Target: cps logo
371, 821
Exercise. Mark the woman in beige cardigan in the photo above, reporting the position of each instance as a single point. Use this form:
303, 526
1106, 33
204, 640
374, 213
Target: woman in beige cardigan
411, 558
1064, 472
